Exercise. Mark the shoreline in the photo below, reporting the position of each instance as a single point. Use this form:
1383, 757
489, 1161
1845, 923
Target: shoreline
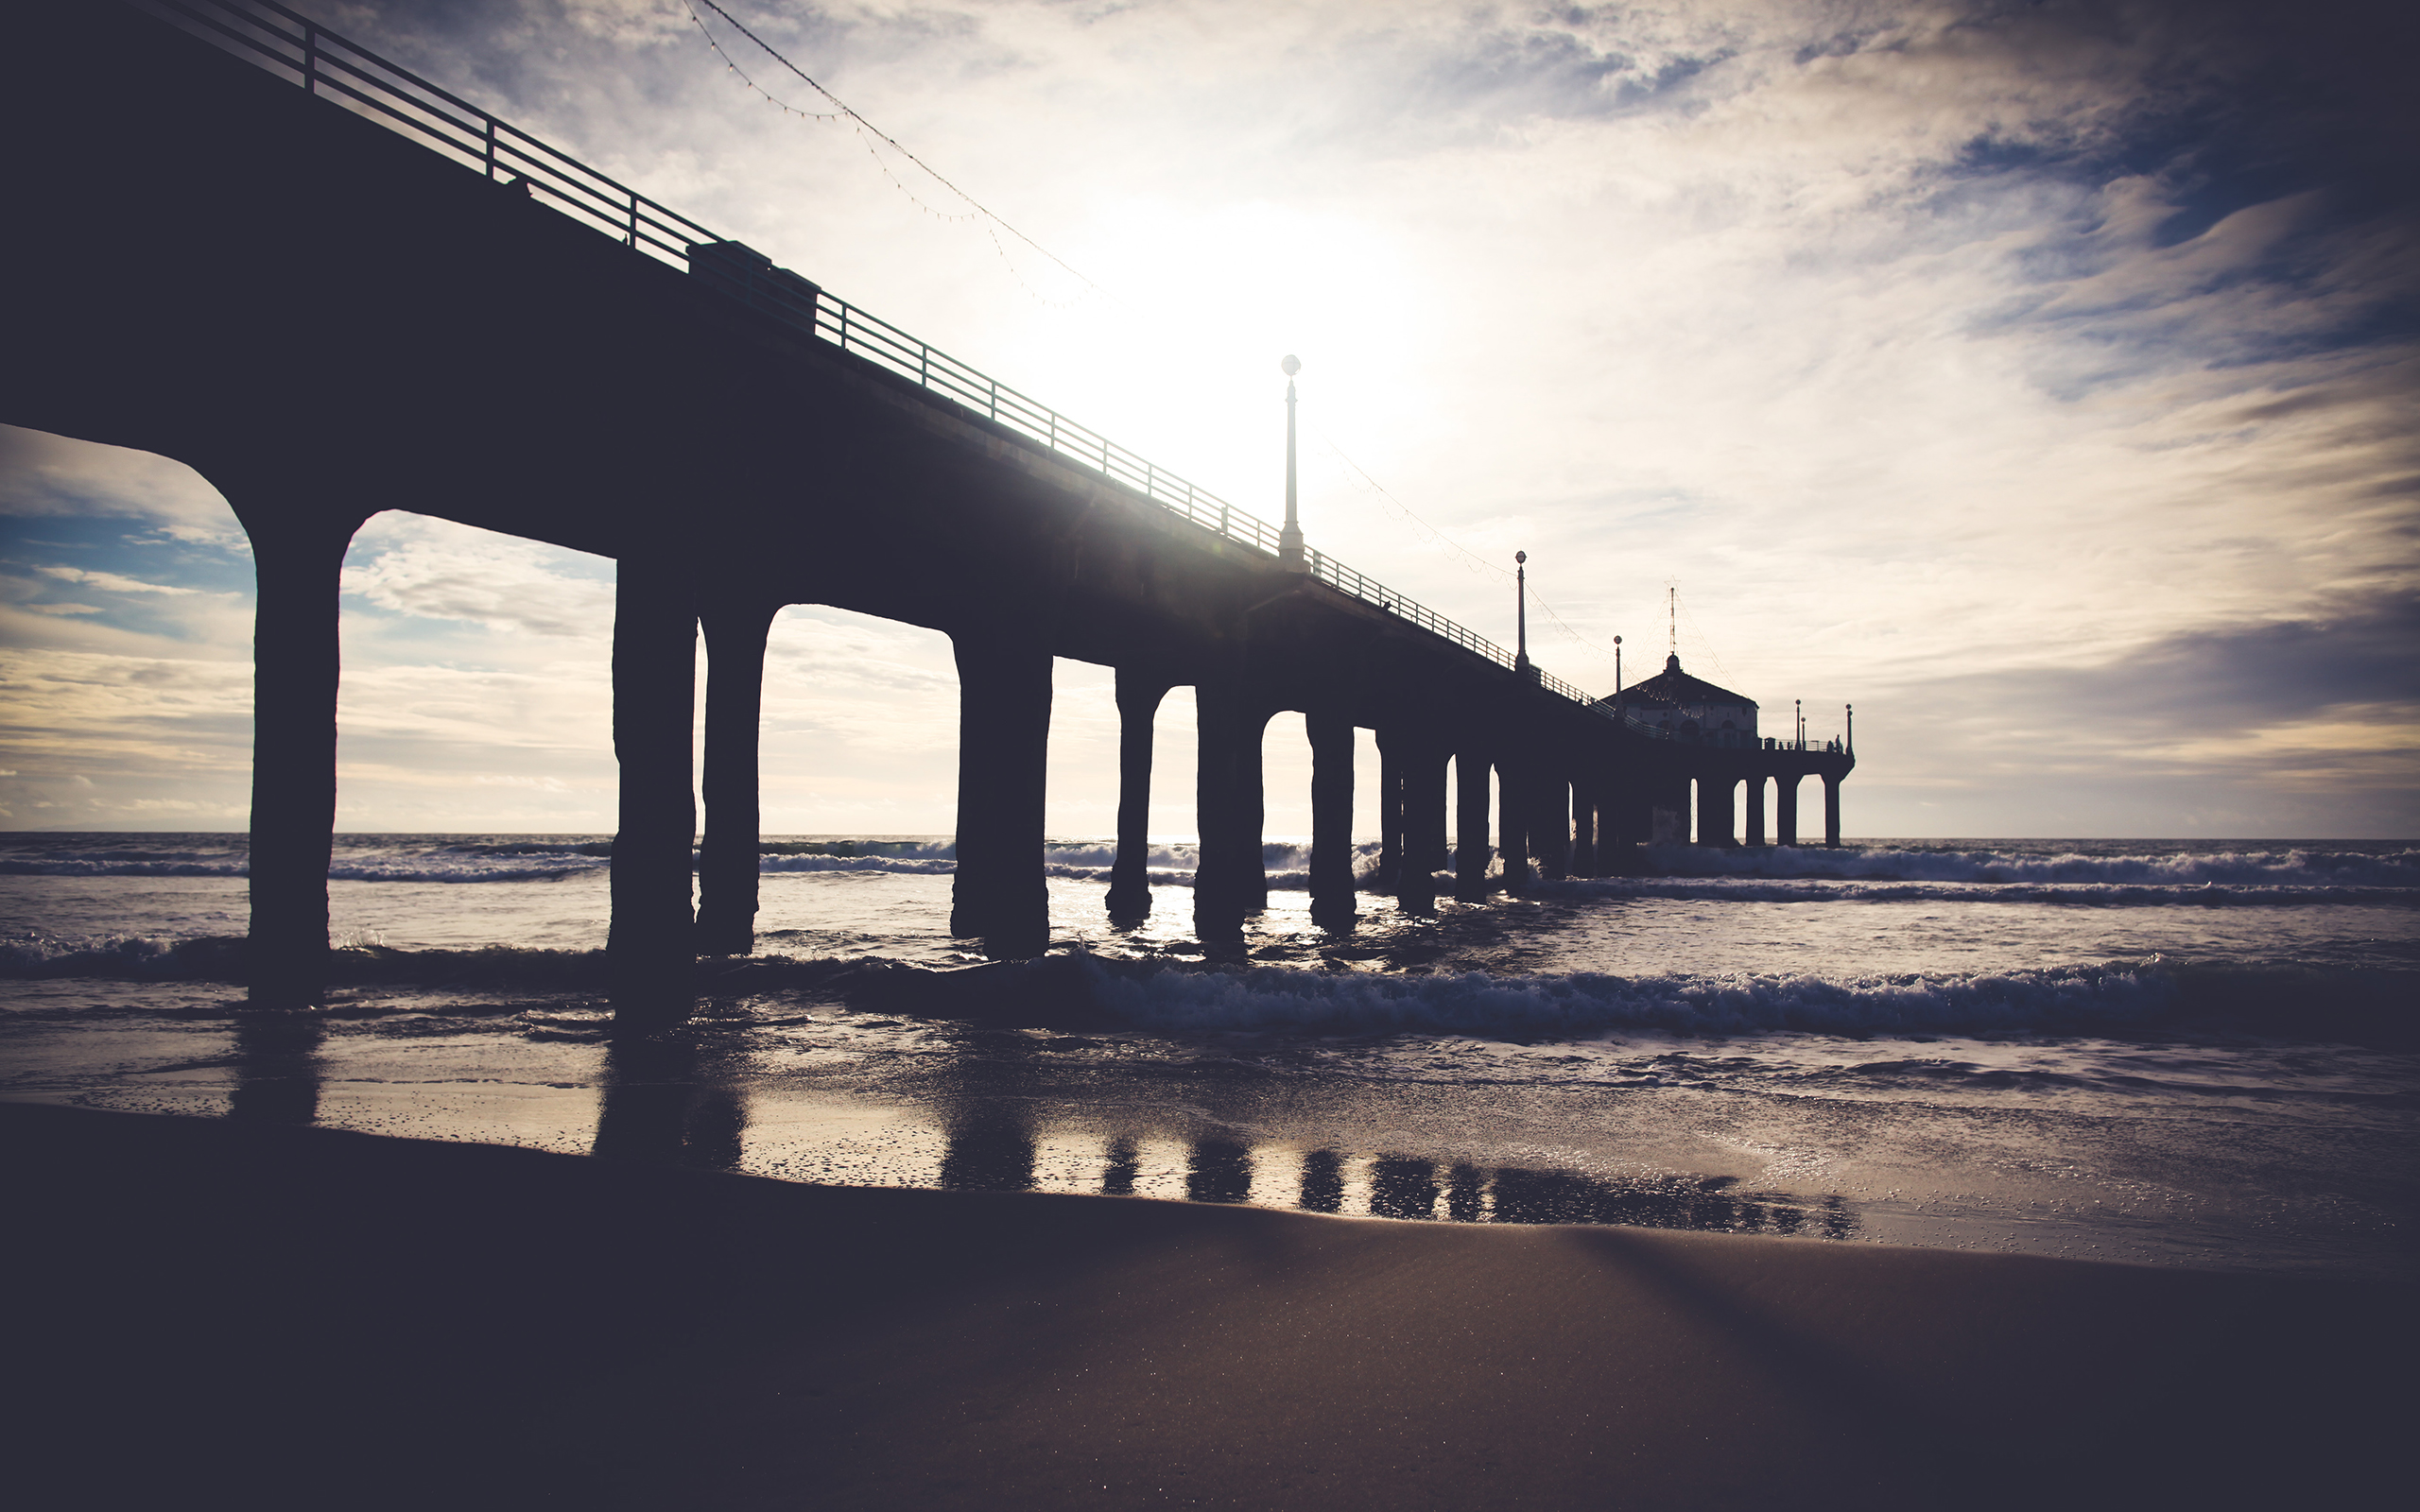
318, 1317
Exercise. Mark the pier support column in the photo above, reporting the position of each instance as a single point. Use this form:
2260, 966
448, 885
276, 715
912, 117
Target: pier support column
1668, 811
296, 563
1470, 852
1513, 802
1786, 808
1550, 832
727, 859
1831, 811
1000, 895
1331, 737
1714, 810
1391, 776
1423, 837
1634, 820
1755, 810
651, 941
1618, 822
1427, 825
1251, 809
1584, 828
1138, 703
1229, 881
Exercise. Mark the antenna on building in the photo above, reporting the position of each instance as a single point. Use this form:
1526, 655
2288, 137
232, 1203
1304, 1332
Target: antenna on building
1672, 621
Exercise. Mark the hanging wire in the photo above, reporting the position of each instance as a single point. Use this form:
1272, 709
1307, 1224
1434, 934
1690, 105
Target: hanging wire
1698, 636
1469, 560
993, 224
841, 111
732, 64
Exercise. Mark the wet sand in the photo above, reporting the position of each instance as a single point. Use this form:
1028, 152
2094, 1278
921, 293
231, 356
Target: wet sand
206, 1312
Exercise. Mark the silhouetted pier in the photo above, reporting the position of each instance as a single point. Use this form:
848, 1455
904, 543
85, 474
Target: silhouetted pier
364, 293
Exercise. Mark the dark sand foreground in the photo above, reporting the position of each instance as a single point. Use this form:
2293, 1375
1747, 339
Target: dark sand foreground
204, 1314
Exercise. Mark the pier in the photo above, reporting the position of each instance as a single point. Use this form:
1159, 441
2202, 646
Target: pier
333, 288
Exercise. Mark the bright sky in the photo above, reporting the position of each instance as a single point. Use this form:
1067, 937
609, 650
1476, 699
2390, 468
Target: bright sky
2038, 378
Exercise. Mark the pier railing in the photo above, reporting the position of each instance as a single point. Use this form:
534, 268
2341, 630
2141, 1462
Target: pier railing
291, 45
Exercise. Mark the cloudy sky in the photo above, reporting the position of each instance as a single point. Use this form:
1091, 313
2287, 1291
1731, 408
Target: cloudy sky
2037, 377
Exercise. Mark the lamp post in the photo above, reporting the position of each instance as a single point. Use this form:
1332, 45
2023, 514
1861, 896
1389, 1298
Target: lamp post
1521, 611
1618, 674
1798, 723
1850, 742
1289, 541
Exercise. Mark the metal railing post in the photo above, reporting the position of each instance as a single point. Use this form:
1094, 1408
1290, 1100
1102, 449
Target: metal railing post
491, 148
310, 58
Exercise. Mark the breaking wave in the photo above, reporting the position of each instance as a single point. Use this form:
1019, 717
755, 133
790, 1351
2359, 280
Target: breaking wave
2111, 894
2114, 997
2283, 875
2102, 998
2298, 866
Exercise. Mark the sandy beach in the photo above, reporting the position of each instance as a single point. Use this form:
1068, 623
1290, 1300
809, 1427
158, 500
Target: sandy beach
228, 1315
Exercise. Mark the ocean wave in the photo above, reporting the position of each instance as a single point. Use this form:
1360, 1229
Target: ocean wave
773, 865
2115, 998
2300, 866
2101, 998
122, 866
2107, 895
530, 848
213, 958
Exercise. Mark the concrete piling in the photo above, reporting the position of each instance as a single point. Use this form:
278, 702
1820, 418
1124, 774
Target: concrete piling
727, 856
655, 650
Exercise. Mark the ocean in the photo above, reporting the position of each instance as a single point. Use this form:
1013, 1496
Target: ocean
2178, 1053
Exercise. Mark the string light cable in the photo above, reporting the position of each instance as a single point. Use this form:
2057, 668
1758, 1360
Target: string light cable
1699, 636
1469, 560
993, 224
866, 129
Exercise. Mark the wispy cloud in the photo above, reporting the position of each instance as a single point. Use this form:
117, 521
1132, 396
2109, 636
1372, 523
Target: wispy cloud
112, 582
2037, 377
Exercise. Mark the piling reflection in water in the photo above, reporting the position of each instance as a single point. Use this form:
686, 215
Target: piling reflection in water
1220, 1171
658, 1103
1323, 1181
671, 1097
1124, 1164
1401, 1188
1465, 1194
991, 1146
989, 1149
276, 1062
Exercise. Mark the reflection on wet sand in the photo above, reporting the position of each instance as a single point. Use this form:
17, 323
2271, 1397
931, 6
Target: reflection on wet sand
1119, 1169
992, 1147
277, 1068
655, 1105
1401, 1188
1323, 1181
1220, 1171
665, 1099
